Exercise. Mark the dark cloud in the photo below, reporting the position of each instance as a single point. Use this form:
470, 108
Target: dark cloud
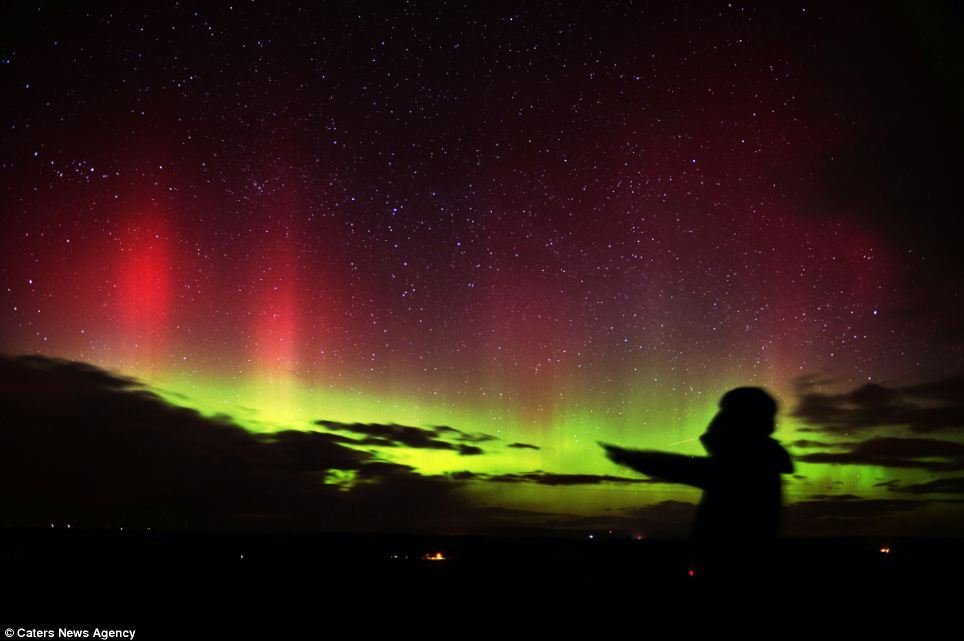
919, 453
549, 478
87, 446
954, 485
924, 408
819, 515
470, 437
664, 519
846, 514
465, 475
393, 435
892, 484
809, 444
847, 507
664, 511
468, 450
315, 451
526, 446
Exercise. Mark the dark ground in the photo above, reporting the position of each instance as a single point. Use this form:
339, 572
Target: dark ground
142, 557
149, 579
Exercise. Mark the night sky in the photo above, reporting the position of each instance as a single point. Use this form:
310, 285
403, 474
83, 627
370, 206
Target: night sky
432, 252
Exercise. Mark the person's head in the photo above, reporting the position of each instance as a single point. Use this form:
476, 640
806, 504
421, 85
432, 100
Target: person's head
747, 414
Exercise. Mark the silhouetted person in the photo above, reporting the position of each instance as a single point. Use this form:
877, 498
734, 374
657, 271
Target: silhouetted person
738, 518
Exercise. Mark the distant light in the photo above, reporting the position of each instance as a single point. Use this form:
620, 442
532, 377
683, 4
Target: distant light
692, 572
438, 556
592, 536
885, 550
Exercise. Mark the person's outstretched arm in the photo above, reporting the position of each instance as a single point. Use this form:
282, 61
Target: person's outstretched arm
679, 468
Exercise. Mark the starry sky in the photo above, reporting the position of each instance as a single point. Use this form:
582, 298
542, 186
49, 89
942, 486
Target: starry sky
465, 241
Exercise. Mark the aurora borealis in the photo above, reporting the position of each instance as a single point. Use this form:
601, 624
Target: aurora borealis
537, 227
